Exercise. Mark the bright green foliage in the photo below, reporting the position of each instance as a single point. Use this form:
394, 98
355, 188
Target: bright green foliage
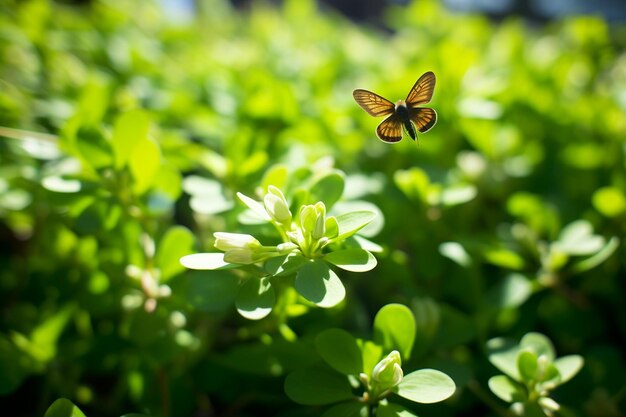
531, 371
130, 135
311, 242
360, 364
63, 408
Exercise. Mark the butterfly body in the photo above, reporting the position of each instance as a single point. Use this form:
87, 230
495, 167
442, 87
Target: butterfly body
404, 113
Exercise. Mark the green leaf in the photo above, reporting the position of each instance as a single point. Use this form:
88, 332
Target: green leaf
42, 345
394, 328
350, 223
502, 354
610, 201
458, 194
175, 243
363, 243
372, 228
599, 257
355, 260
317, 387
207, 195
206, 261
277, 176
507, 389
328, 188
577, 238
425, 386
144, 164
211, 291
387, 409
340, 350
569, 366
527, 365
130, 129
319, 284
512, 291
63, 408
371, 354
504, 258
257, 208
256, 298
455, 252
15, 365
285, 265
539, 344
349, 409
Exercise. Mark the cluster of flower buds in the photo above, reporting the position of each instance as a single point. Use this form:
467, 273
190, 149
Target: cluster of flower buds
309, 234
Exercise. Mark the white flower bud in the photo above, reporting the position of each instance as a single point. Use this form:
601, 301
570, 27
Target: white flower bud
276, 206
388, 372
228, 241
240, 256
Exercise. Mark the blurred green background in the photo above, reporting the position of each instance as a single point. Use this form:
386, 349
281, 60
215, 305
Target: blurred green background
126, 132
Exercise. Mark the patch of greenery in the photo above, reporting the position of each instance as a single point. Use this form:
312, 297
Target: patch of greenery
178, 198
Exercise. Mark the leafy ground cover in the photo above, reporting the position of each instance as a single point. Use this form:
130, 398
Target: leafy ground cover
196, 218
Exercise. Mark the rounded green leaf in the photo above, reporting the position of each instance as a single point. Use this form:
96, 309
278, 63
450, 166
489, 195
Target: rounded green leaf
394, 328
175, 243
610, 201
256, 207
512, 291
569, 366
63, 408
284, 265
349, 409
319, 284
328, 188
350, 223
504, 258
371, 354
372, 228
144, 164
206, 261
503, 355
426, 386
507, 389
527, 365
211, 291
317, 387
456, 252
129, 130
255, 298
340, 350
354, 259
539, 344
577, 238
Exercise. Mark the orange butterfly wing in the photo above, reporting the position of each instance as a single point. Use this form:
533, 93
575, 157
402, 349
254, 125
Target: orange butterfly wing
372, 103
390, 129
422, 91
423, 117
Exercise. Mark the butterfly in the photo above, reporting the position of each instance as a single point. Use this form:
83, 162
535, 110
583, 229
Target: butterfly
405, 113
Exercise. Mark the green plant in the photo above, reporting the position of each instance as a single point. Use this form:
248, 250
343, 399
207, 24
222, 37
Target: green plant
372, 369
532, 371
310, 242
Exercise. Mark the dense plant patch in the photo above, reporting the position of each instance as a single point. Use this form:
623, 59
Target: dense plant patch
196, 218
